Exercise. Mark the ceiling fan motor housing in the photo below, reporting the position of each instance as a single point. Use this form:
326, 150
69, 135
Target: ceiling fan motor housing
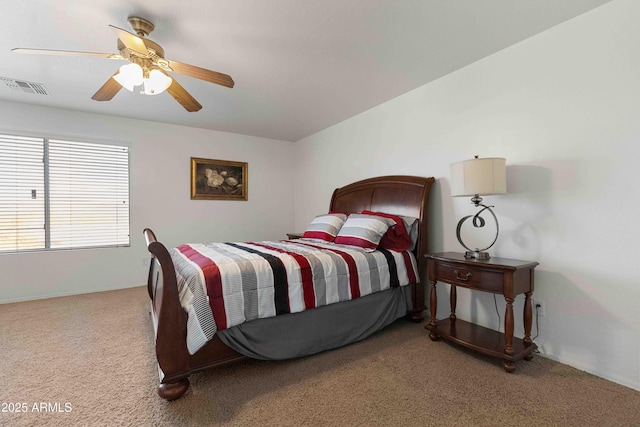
141, 26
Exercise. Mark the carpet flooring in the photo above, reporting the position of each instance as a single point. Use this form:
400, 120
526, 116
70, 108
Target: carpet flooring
88, 360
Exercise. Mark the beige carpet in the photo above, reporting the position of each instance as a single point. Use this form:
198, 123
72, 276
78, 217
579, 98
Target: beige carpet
88, 360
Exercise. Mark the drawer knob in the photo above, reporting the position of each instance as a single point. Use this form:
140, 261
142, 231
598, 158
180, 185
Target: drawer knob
462, 279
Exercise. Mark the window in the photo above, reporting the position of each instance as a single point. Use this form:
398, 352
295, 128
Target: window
57, 194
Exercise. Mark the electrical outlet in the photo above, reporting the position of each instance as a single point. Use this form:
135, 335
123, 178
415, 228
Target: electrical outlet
538, 307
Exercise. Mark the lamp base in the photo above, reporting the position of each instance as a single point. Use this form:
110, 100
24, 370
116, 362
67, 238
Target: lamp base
476, 255
478, 222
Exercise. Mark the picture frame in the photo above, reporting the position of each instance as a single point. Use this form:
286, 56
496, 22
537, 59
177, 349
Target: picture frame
213, 179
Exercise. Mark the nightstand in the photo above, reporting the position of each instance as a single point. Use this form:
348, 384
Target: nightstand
292, 236
507, 277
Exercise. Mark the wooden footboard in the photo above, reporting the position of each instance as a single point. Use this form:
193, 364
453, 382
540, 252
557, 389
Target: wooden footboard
170, 327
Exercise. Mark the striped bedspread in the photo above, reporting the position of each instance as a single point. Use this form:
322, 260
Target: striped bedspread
225, 284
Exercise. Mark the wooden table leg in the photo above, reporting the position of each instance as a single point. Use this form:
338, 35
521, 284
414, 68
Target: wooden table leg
433, 307
527, 320
509, 366
453, 301
508, 327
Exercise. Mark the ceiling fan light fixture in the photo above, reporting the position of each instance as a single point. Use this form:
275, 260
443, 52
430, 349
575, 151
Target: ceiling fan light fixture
129, 76
148, 67
157, 83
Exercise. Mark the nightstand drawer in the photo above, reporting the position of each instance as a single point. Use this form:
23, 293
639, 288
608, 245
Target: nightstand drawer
470, 278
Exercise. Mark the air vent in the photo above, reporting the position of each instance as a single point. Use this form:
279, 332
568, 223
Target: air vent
24, 86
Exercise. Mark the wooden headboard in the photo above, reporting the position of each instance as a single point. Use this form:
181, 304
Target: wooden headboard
396, 194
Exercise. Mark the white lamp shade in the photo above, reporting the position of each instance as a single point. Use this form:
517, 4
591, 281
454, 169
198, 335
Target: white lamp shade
479, 176
129, 76
157, 83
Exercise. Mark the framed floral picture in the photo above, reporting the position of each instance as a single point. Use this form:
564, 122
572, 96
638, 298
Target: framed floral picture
218, 179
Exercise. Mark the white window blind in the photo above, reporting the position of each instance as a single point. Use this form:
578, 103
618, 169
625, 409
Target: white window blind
81, 195
21, 193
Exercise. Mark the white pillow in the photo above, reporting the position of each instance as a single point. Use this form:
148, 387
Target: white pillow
325, 227
364, 231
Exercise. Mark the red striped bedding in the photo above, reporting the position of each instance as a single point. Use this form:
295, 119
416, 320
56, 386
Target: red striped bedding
225, 284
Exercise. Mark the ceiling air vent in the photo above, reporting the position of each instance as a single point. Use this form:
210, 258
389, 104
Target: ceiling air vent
24, 86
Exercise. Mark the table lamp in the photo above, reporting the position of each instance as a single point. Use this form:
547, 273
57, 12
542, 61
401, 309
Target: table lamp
478, 177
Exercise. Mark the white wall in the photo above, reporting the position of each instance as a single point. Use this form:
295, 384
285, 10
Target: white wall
564, 109
160, 199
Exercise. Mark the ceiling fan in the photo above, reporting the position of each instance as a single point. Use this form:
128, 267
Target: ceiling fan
148, 67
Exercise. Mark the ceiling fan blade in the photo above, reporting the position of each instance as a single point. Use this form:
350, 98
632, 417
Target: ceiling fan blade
131, 41
108, 90
65, 53
201, 73
183, 97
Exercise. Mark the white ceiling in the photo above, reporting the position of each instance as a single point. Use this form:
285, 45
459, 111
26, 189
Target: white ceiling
299, 66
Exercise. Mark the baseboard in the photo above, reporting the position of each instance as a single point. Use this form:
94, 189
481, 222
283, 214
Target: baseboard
67, 294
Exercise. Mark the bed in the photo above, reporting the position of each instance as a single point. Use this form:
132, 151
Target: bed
287, 335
